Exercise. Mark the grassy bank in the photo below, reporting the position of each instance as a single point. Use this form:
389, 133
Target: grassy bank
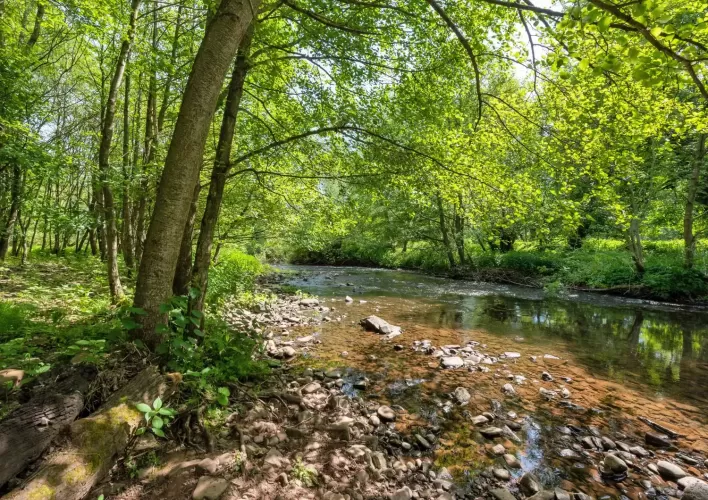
601, 265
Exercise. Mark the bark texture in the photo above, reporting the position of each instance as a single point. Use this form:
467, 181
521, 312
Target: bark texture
95, 442
104, 155
220, 171
26, 432
184, 159
689, 239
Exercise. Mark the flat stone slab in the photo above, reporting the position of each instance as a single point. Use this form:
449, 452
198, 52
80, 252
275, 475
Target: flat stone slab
452, 362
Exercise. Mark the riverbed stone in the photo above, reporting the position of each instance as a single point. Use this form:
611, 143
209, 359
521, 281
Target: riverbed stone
696, 491
529, 485
512, 461
404, 493
512, 355
491, 432
311, 387
386, 414
309, 302
378, 325
508, 389
656, 440
451, 362
378, 460
210, 488
607, 443
480, 420
687, 481
462, 395
614, 464
498, 449
669, 471
422, 442
547, 377
502, 494
501, 474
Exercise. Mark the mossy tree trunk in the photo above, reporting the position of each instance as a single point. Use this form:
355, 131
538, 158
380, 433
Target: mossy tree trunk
94, 443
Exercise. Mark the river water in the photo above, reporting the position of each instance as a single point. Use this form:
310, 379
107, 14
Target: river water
626, 358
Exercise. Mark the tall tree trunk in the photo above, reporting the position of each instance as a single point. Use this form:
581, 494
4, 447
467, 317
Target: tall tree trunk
128, 244
460, 230
634, 242
37, 27
443, 231
104, 157
689, 240
184, 159
183, 274
220, 170
15, 200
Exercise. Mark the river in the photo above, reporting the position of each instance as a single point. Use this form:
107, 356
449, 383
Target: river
623, 358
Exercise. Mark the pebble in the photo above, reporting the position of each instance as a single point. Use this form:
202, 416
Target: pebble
509, 389
479, 420
498, 449
656, 440
512, 461
404, 493
422, 442
311, 387
502, 494
386, 414
529, 485
669, 471
374, 420
462, 395
547, 377
501, 474
491, 432
614, 464
697, 491
451, 362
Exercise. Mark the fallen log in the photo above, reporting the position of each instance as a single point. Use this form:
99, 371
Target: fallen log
27, 431
95, 442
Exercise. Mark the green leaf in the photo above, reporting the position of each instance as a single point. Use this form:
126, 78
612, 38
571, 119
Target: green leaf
584, 64
157, 404
140, 431
157, 422
222, 399
142, 407
604, 23
656, 31
633, 53
168, 412
158, 432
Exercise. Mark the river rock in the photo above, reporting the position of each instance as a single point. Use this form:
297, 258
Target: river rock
311, 387
657, 440
607, 443
614, 464
386, 414
422, 442
498, 449
480, 420
502, 494
491, 432
669, 471
509, 389
501, 474
348, 299
512, 461
451, 362
529, 485
210, 488
462, 395
696, 491
378, 461
374, 420
378, 325
404, 493
512, 355
568, 453
547, 377
688, 481
309, 302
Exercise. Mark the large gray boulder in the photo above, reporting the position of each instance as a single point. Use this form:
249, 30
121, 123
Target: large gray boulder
381, 326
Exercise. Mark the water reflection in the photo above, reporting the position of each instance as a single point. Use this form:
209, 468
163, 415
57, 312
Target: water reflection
659, 345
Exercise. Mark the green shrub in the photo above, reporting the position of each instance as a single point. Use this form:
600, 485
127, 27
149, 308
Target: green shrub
598, 269
530, 262
235, 273
14, 319
675, 282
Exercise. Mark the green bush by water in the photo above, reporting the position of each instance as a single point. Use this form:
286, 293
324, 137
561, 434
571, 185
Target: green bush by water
235, 273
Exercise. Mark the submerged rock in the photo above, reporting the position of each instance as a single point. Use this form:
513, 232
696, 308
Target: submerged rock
378, 325
529, 485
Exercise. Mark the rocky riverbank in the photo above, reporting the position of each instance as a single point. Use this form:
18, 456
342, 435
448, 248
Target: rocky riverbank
324, 427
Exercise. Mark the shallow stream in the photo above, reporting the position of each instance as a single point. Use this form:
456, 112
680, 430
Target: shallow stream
626, 358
